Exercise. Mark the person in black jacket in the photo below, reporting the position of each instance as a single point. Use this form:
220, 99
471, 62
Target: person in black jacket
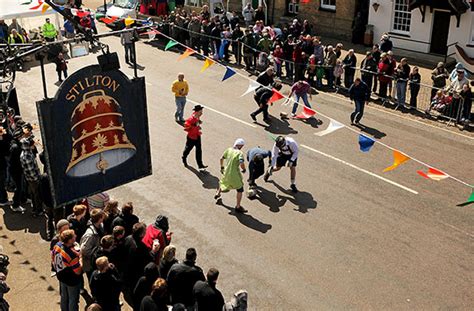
105, 285
168, 260
206, 295
126, 218
16, 172
415, 80
145, 283
158, 299
266, 77
359, 93
138, 256
182, 277
368, 69
402, 73
349, 63
262, 96
5, 139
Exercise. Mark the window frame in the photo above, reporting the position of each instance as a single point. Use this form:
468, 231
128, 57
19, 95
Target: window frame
392, 22
331, 7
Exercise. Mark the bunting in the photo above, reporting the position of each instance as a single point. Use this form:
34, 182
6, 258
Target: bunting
207, 63
365, 143
398, 158
253, 85
170, 44
44, 8
40, 3
186, 53
108, 20
128, 21
222, 48
306, 113
333, 126
228, 73
275, 96
470, 200
433, 174
26, 2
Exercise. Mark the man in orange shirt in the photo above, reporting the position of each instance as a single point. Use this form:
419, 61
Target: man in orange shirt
193, 127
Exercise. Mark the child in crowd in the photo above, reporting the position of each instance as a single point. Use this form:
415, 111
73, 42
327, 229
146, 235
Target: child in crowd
61, 66
338, 71
440, 102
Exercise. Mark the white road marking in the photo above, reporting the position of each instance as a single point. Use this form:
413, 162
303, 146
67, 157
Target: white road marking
403, 117
361, 169
222, 113
457, 229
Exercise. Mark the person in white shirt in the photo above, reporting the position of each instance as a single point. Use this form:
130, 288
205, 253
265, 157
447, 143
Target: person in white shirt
247, 13
285, 150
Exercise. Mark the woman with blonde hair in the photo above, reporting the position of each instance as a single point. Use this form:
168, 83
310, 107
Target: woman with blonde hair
168, 260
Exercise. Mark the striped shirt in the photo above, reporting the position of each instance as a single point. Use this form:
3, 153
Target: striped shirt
66, 264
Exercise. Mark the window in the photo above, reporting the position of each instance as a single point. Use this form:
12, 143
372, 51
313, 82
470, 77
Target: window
401, 16
193, 2
328, 4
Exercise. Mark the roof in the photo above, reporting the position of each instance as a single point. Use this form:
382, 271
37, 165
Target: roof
15, 9
456, 7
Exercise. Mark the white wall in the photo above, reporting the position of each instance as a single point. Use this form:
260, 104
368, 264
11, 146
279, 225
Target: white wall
420, 33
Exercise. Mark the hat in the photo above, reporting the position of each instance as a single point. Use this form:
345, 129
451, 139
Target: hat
198, 108
440, 64
61, 223
239, 142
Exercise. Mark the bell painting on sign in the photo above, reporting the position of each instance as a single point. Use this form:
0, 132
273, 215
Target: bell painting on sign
95, 133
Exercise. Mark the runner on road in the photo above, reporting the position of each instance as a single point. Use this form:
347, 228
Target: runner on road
180, 88
193, 139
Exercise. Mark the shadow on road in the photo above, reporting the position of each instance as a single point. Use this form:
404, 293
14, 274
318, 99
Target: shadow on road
304, 200
25, 222
208, 180
371, 131
270, 199
278, 126
246, 219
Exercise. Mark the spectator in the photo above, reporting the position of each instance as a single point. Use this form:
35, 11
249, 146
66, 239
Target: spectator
15, 26
157, 301
126, 218
61, 226
104, 250
384, 79
206, 295
260, 14
15, 37
307, 28
119, 252
466, 95
338, 71
318, 51
4, 288
49, 31
247, 13
438, 76
105, 285
454, 73
368, 69
266, 77
126, 39
249, 44
3, 31
137, 257
111, 212
94, 307
415, 80
234, 20
456, 88
16, 172
145, 283
61, 66
91, 240
392, 65
330, 63
238, 302
338, 50
376, 55
205, 14
385, 43
66, 263
349, 63
158, 231
402, 73
78, 221
168, 260
288, 47
236, 37
439, 102
182, 277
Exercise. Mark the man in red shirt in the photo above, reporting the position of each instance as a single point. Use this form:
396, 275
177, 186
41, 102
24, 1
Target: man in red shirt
193, 127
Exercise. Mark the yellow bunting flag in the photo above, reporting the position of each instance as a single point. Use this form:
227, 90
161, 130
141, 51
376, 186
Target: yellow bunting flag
44, 8
186, 54
128, 21
207, 63
398, 158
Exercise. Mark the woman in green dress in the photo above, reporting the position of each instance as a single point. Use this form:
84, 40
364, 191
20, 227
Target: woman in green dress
232, 166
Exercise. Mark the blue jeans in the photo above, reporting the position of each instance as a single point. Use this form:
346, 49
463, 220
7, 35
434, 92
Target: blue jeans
69, 297
304, 97
401, 92
289, 69
180, 103
129, 51
359, 110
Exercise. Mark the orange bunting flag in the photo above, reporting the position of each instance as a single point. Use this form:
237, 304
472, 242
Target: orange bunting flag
186, 53
108, 20
433, 174
398, 158
276, 96
207, 63
44, 8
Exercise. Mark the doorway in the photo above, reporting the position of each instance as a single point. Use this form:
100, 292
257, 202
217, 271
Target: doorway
440, 32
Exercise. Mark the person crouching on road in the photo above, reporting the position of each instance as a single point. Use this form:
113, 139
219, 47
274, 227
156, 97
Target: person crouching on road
359, 92
232, 163
262, 96
193, 127
256, 157
284, 150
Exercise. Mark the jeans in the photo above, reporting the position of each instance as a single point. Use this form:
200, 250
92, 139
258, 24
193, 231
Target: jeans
289, 69
180, 103
69, 297
359, 110
401, 92
304, 97
278, 69
34, 190
263, 109
190, 144
129, 52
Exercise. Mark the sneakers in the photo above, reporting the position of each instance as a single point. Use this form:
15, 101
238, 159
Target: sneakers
18, 209
240, 209
202, 167
293, 115
253, 117
266, 176
217, 197
293, 188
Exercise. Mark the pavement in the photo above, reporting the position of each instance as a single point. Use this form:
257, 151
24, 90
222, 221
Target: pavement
352, 238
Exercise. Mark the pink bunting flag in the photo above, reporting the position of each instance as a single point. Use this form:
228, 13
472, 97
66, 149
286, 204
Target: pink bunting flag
306, 114
151, 32
433, 174
108, 20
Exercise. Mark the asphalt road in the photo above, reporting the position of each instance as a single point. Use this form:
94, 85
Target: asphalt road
353, 238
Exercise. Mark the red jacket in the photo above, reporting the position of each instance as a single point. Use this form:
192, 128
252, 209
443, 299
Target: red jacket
193, 127
383, 72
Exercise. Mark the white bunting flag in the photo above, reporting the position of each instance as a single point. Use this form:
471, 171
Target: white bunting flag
253, 85
333, 126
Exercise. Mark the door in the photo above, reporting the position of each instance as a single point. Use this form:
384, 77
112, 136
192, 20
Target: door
440, 32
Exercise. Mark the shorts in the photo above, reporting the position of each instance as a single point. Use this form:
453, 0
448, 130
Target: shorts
283, 158
241, 189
